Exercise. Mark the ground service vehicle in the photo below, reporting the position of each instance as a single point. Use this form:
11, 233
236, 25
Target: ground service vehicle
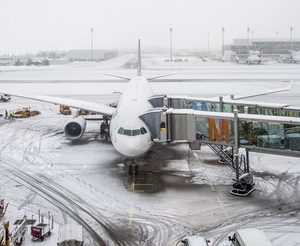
249, 237
41, 230
194, 241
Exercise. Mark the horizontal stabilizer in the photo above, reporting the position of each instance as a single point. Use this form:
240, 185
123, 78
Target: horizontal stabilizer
161, 76
116, 76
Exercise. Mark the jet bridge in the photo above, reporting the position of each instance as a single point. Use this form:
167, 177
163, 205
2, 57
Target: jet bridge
225, 126
263, 127
263, 133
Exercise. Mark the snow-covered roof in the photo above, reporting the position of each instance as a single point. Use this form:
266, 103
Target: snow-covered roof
196, 240
253, 237
230, 116
236, 102
250, 41
70, 232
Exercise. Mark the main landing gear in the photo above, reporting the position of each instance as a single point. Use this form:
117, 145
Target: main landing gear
104, 130
133, 167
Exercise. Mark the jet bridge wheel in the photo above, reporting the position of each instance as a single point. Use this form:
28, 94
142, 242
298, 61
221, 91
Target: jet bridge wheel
244, 186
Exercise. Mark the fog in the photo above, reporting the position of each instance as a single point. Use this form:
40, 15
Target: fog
34, 25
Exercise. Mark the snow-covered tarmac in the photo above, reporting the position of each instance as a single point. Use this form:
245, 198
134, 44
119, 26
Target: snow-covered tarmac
86, 181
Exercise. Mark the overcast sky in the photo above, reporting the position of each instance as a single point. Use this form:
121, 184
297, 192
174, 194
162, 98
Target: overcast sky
34, 25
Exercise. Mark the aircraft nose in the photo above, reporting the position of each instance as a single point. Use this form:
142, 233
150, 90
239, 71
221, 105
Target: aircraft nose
135, 146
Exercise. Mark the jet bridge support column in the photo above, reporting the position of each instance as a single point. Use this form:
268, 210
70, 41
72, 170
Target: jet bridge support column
247, 161
236, 143
244, 184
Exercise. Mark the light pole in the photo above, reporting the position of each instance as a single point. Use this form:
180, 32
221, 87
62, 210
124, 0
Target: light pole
248, 32
208, 42
291, 40
92, 55
277, 45
223, 32
171, 30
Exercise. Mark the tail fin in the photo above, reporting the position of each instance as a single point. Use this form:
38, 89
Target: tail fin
139, 62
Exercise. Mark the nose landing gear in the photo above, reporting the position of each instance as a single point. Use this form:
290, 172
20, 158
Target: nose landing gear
133, 170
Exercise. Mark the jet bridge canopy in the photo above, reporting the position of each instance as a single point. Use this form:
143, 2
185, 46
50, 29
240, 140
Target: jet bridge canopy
224, 104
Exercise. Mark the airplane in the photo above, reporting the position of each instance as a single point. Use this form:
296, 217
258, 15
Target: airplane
129, 134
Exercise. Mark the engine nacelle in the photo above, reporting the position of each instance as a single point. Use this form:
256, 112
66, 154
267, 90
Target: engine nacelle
74, 128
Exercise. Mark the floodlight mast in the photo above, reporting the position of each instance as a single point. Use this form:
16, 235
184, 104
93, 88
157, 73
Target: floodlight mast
139, 63
171, 51
223, 32
92, 45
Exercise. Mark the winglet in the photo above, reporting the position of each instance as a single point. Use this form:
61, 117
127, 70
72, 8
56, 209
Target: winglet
139, 62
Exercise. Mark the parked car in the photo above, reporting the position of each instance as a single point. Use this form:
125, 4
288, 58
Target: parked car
194, 241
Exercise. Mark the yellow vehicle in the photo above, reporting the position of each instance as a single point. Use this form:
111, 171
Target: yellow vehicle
25, 113
65, 110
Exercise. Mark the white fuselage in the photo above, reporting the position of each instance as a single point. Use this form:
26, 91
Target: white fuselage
129, 134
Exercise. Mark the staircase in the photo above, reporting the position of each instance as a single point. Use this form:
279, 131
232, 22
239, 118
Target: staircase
227, 157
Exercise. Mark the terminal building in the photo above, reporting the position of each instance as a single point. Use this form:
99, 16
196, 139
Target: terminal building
268, 47
86, 55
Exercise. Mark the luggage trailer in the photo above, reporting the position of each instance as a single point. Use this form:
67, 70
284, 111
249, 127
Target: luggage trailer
19, 231
41, 230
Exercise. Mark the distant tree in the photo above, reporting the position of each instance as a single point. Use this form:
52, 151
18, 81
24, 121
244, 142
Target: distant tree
42, 54
29, 62
53, 55
45, 62
18, 62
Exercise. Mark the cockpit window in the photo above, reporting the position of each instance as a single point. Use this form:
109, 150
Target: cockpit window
136, 132
121, 130
143, 130
127, 132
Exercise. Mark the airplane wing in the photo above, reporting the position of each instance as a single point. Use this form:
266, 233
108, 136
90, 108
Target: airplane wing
229, 98
287, 88
74, 103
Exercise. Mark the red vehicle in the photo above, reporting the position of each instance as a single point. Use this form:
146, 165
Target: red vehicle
40, 230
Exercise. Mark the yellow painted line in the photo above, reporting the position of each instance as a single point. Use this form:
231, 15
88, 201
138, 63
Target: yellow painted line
130, 221
213, 188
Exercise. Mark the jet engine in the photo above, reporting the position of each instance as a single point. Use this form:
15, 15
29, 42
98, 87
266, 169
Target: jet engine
75, 127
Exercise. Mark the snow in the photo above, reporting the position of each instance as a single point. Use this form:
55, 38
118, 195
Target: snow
230, 116
86, 181
253, 237
70, 232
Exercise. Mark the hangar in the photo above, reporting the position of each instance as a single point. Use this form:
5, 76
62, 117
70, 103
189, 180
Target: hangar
85, 55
